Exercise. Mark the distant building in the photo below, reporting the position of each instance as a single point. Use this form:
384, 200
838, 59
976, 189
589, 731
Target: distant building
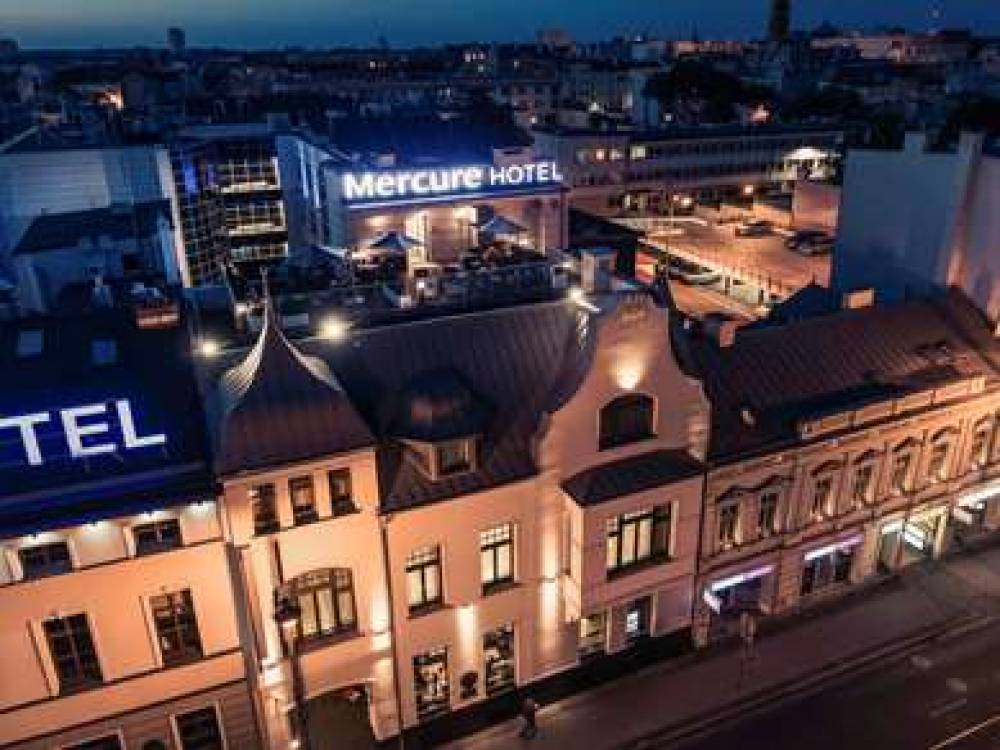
70, 213
615, 173
913, 220
229, 199
176, 41
8, 47
780, 20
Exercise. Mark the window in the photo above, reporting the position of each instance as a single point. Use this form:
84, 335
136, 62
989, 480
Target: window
827, 570
822, 494
454, 457
326, 603
729, 519
108, 742
157, 536
637, 619
430, 683
265, 510
980, 452
303, 496
862, 487
900, 473
341, 492
423, 574
937, 465
627, 419
73, 653
767, 514
199, 730
496, 556
634, 538
498, 660
176, 627
45, 560
593, 634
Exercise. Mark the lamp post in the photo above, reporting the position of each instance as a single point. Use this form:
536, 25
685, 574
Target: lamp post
286, 615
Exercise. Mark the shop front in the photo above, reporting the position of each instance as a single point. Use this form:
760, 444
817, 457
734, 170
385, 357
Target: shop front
976, 512
729, 597
830, 566
904, 542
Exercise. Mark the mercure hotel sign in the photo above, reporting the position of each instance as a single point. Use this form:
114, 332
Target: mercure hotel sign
414, 185
88, 430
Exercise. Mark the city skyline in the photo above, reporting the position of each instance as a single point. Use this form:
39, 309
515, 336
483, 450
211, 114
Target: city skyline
254, 23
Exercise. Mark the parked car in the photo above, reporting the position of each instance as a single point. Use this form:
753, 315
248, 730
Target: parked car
690, 273
808, 237
754, 228
810, 242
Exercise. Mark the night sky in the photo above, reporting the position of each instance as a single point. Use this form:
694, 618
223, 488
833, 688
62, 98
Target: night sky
318, 23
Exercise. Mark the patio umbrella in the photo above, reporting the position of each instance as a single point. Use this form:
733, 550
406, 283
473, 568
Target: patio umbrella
392, 242
501, 226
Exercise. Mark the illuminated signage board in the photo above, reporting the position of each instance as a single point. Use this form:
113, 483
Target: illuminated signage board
414, 185
87, 429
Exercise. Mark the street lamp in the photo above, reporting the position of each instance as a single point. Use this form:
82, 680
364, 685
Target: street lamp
286, 615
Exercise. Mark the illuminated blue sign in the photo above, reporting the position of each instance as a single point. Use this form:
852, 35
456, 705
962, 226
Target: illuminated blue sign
87, 430
390, 186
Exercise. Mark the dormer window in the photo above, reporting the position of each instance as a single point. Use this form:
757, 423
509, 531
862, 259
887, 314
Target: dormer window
626, 419
444, 459
455, 456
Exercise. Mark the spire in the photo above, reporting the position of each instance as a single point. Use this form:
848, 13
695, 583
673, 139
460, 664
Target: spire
279, 405
780, 21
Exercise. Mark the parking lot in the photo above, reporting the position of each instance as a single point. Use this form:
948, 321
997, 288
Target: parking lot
753, 271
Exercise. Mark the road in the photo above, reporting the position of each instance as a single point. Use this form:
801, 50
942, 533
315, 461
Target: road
764, 258
944, 698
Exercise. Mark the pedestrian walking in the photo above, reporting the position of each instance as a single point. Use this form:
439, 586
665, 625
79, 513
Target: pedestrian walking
529, 711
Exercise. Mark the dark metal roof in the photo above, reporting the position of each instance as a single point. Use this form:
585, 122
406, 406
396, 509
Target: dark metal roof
628, 476
513, 364
279, 406
771, 377
439, 405
66, 230
149, 368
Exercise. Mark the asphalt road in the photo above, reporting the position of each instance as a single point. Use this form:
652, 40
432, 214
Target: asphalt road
944, 698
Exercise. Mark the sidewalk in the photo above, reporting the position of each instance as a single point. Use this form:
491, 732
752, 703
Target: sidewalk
923, 602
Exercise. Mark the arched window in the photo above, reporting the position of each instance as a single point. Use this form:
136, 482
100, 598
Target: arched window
325, 602
626, 419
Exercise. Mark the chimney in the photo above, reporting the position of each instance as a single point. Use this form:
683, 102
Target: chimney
722, 331
597, 267
858, 299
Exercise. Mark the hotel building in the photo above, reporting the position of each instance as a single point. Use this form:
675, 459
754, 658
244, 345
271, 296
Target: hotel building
414, 522
119, 625
501, 512
344, 199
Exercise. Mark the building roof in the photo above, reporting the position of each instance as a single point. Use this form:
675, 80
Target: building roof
504, 367
278, 406
57, 363
67, 230
628, 476
772, 377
